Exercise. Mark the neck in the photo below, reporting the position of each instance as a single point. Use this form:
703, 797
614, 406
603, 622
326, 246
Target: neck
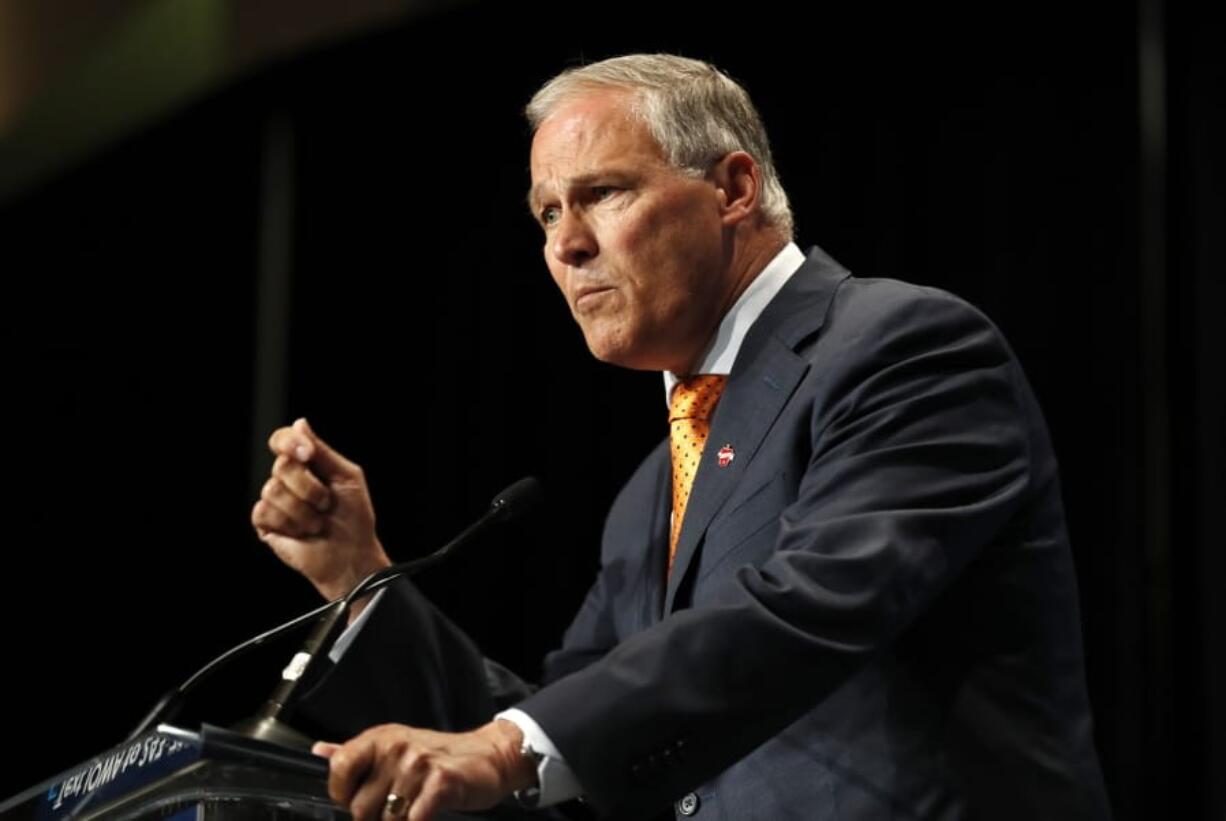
757, 255
749, 258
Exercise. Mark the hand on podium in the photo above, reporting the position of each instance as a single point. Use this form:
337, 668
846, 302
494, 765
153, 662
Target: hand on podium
398, 772
316, 514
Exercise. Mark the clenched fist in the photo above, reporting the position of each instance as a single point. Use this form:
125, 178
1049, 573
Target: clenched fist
315, 512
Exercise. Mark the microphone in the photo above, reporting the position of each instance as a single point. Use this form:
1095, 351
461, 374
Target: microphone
511, 502
518, 498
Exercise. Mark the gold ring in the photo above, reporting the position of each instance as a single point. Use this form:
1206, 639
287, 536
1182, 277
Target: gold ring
394, 805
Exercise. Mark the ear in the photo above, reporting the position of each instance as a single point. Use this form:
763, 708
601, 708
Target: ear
738, 181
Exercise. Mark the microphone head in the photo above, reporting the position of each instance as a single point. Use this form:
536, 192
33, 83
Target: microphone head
519, 498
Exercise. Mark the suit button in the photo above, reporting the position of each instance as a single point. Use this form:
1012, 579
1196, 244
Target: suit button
688, 805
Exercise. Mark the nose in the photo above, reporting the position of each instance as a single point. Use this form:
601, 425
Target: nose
572, 241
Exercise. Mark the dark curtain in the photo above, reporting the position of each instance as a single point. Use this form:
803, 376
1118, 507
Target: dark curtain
999, 154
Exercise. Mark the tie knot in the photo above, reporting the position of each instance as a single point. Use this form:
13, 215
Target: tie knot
695, 398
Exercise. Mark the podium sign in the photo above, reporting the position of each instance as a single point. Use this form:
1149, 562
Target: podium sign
178, 774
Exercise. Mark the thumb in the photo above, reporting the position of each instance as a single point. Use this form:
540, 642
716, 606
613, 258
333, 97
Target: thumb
328, 463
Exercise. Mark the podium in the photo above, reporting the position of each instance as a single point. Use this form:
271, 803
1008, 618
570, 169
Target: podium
178, 774
182, 775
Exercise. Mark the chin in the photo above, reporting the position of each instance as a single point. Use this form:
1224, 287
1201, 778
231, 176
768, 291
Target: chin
616, 352
628, 358
612, 356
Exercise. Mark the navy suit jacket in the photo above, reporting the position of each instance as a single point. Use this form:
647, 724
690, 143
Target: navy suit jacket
872, 612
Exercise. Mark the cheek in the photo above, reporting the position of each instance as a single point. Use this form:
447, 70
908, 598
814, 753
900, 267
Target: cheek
646, 237
676, 232
557, 273
647, 254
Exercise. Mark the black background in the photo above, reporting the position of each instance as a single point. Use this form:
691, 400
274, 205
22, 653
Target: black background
995, 153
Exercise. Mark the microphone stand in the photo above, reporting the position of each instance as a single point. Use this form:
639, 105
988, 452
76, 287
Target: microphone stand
268, 724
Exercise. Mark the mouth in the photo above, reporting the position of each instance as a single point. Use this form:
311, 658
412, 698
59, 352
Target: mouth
590, 294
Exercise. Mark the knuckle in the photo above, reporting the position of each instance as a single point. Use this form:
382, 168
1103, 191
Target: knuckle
320, 497
266, 516
407, 764
276, 438
397, 749
260, 518
281, 465
270, 489
414, 762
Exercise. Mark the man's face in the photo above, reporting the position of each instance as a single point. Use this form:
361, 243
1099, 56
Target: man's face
635, 245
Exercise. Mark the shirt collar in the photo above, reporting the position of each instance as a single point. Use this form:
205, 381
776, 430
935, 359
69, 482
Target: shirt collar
724, 346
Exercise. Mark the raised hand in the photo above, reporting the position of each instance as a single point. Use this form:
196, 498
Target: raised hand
316, 514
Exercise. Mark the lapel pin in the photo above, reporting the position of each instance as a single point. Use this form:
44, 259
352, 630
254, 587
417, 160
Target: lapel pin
726, 455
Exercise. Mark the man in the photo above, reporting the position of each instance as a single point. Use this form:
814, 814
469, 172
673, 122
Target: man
845, 594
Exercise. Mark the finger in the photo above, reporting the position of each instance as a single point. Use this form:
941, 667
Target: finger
348, 767
281, 496
266, 516
370, 800
291, 444
324, 749
411, 771
392, 778
324, 458
301, 482
442, 790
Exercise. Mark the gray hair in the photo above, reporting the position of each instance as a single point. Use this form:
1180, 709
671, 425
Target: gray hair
696, 113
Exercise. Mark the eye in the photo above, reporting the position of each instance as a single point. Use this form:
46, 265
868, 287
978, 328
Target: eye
603, 192
550, 215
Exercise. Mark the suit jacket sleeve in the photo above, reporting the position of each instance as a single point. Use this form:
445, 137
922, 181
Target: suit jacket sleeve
410, 664
912, 436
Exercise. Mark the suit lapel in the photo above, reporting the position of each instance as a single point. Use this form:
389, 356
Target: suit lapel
655, 565
766, 373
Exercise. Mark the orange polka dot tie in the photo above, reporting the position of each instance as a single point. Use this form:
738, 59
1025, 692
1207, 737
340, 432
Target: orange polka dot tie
689, 421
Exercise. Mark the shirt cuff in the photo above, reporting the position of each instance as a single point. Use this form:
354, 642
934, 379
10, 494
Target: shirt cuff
557, 780
351, 632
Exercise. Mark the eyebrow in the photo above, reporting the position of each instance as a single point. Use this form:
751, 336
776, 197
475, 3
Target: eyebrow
580, 181
533, 199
